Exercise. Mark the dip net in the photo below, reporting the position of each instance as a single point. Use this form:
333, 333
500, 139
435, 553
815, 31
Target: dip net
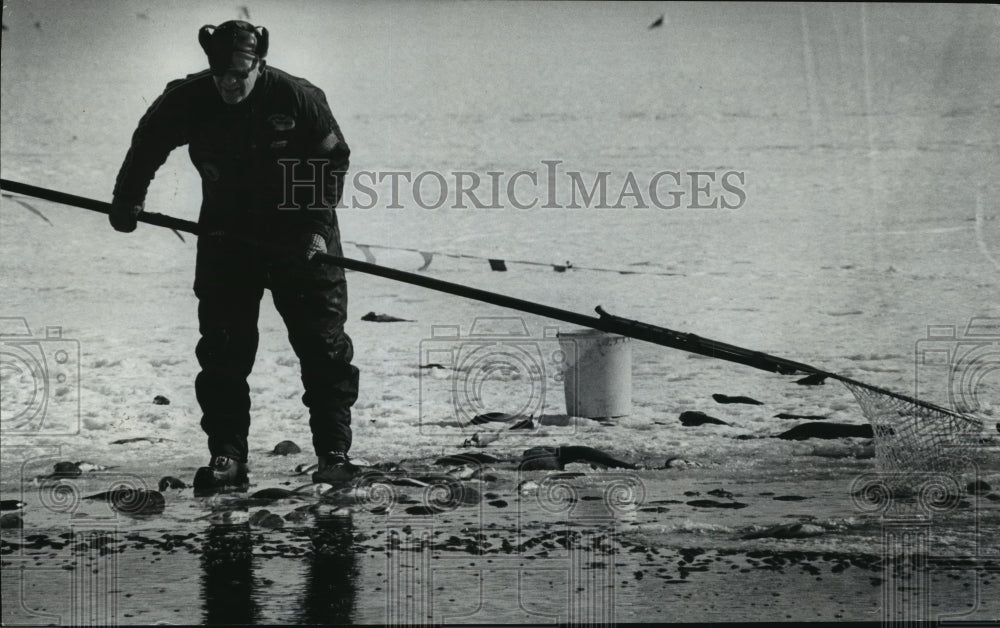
914, 438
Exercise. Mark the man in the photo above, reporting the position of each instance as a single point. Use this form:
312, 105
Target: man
272, 161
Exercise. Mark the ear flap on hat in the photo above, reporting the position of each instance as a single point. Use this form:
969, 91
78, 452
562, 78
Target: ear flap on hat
205, 38
262, 40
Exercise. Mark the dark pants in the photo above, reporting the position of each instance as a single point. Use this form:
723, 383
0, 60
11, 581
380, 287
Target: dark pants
311, 298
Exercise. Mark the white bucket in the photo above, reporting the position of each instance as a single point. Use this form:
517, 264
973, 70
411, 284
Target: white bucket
597, 374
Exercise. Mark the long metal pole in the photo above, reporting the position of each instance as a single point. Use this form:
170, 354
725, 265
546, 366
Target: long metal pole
606, 322
160, 220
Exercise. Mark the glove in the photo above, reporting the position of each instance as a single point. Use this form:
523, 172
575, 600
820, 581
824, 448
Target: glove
123, 215
314, 243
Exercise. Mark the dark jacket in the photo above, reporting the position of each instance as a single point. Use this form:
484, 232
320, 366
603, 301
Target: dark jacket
239, 151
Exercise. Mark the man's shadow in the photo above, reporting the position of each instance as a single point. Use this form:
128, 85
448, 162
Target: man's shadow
227, 576
230, 595
330, 587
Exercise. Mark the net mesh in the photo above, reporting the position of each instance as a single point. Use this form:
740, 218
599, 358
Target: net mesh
913, 438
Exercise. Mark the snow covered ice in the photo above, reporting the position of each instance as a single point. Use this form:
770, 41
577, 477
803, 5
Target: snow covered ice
868, 141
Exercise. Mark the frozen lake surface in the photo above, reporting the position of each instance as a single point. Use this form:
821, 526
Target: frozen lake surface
866, 139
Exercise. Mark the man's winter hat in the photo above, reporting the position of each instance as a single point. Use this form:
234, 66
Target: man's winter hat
221, 42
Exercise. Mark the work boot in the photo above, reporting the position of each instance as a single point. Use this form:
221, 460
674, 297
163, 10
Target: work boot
222, 474
334, 468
